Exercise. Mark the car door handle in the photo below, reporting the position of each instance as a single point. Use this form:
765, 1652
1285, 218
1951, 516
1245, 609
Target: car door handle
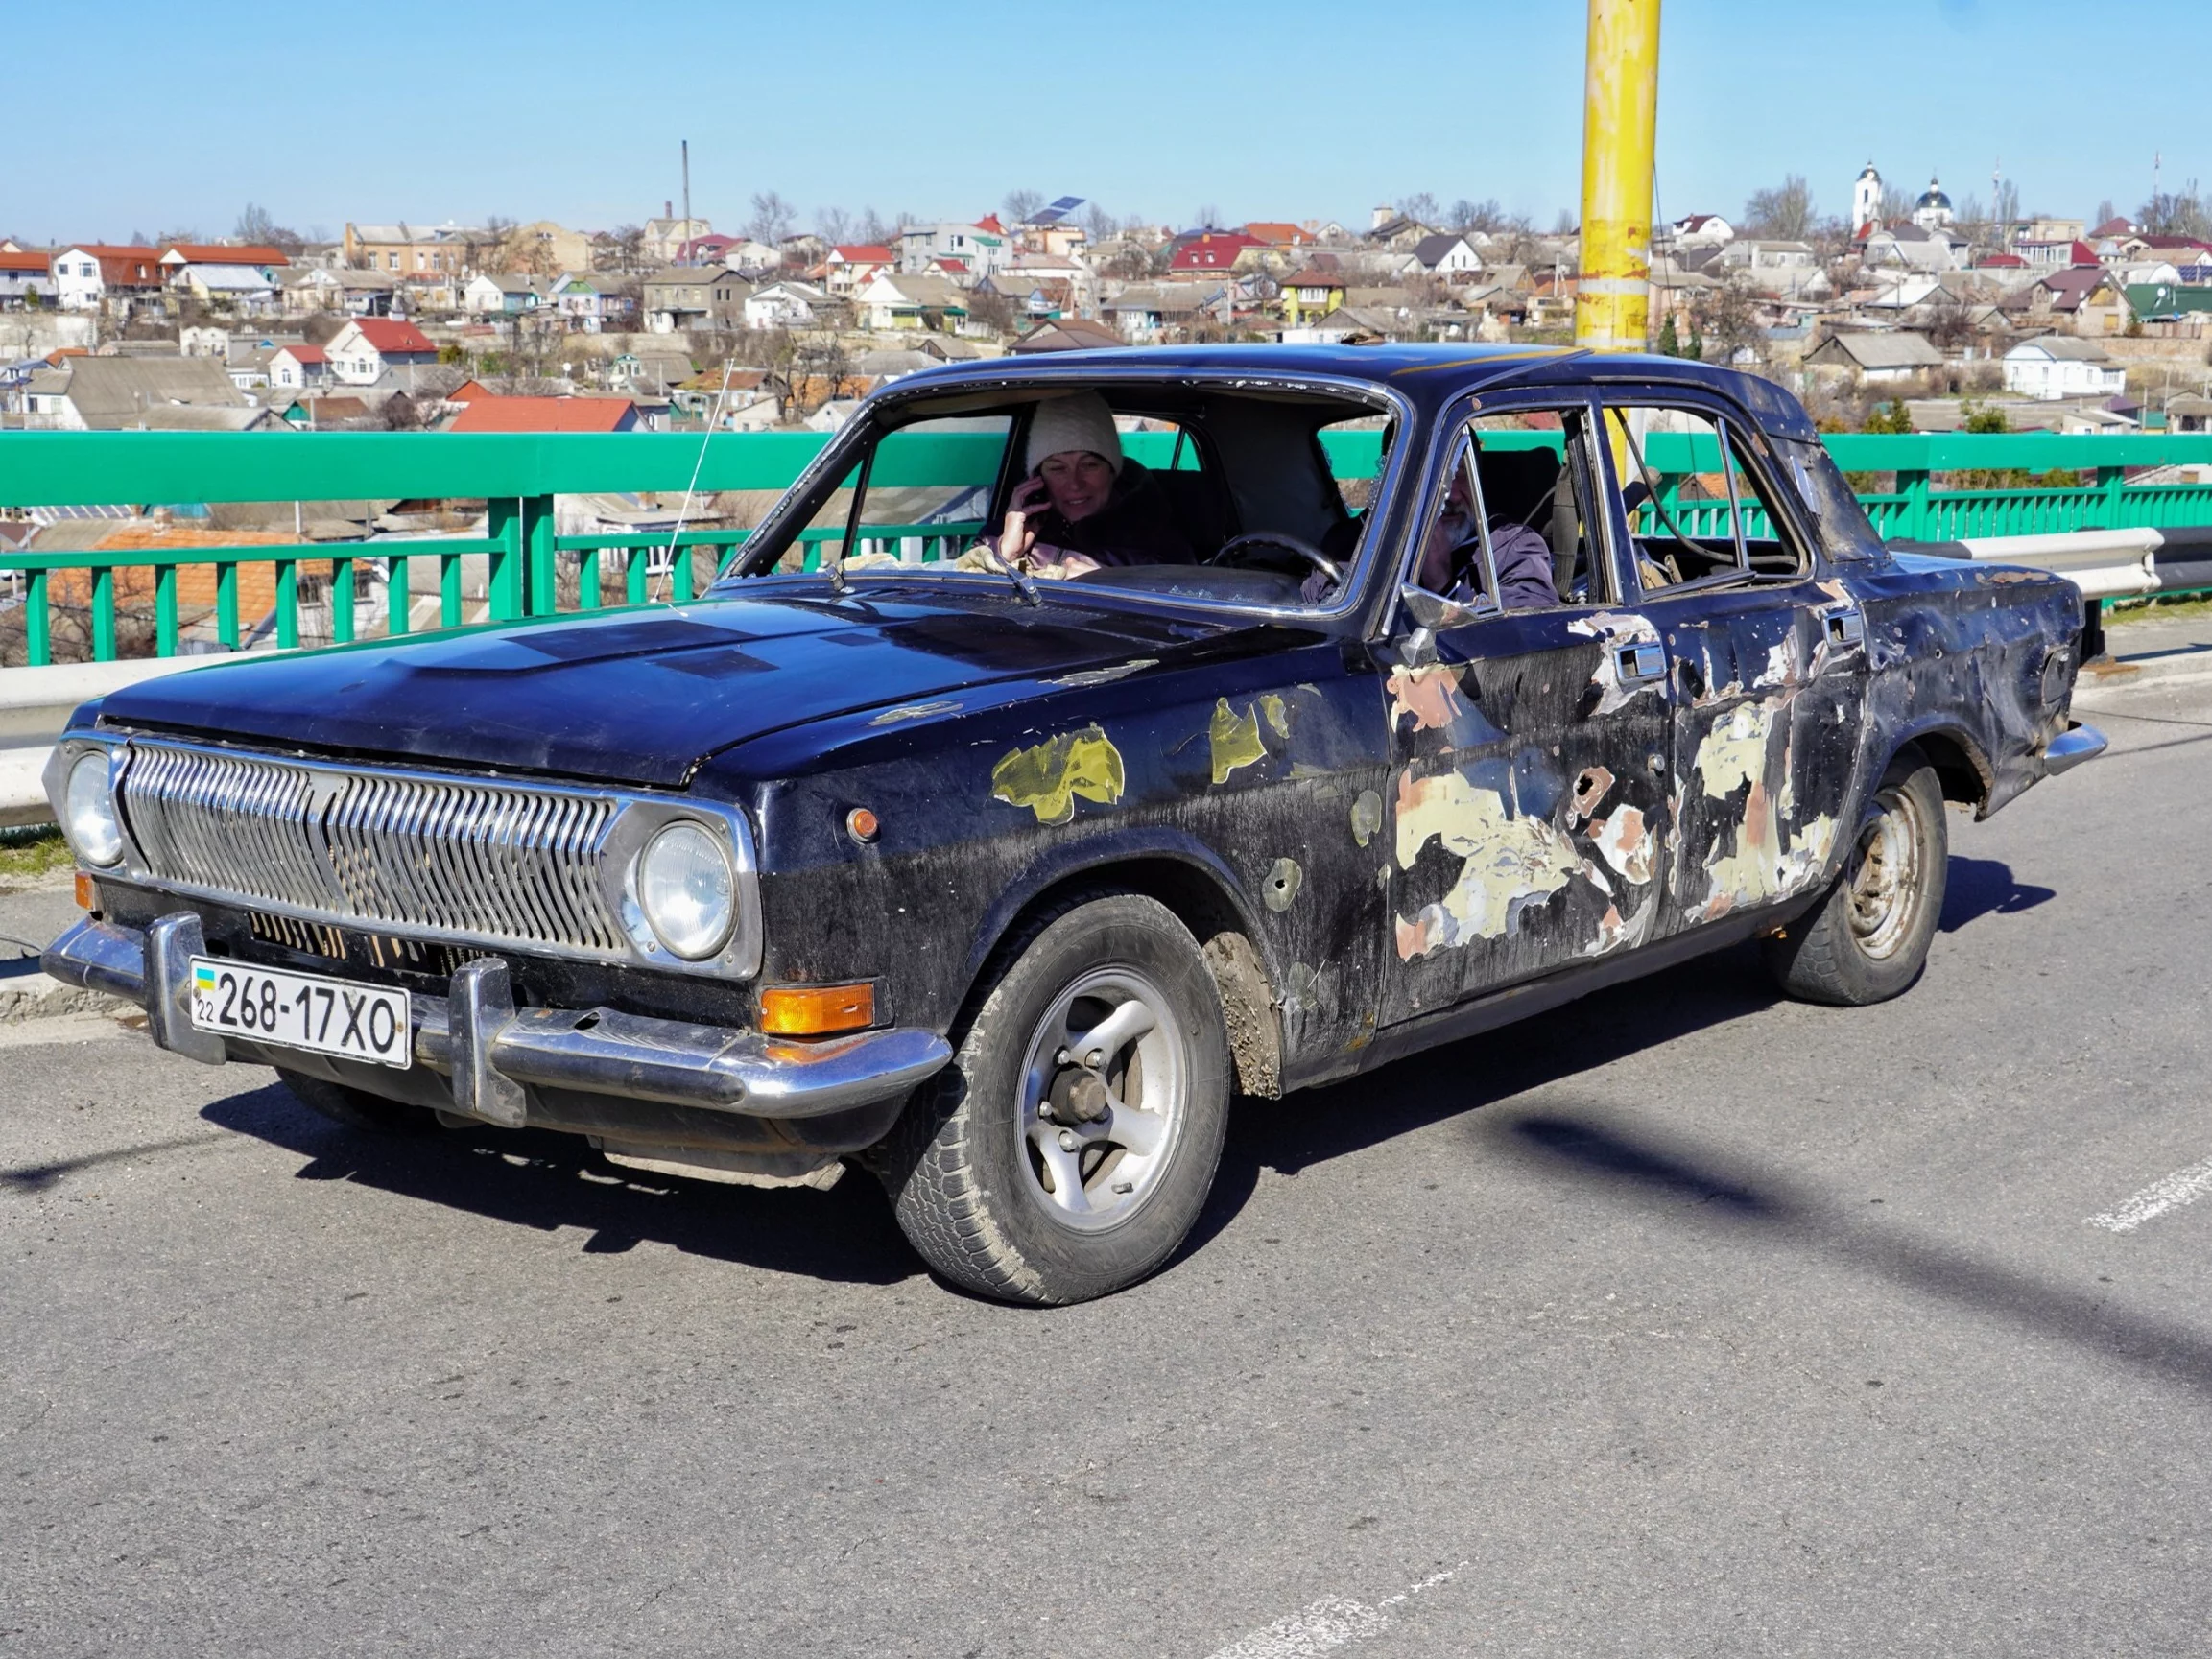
1846, 627
1639, 663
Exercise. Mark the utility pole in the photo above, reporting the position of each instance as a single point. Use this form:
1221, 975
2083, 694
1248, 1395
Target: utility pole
1620, 123
686, 200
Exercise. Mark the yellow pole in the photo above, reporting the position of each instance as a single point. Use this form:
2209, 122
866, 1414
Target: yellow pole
1620, 118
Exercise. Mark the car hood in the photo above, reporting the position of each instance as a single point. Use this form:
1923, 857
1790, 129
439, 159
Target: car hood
638, 697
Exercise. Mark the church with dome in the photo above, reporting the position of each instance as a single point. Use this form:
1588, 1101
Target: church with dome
1933, 211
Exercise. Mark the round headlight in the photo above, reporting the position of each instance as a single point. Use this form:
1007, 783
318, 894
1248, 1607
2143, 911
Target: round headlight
89, 804
688, 891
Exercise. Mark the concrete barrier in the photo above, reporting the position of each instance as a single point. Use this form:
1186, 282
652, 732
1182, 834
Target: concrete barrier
36, 704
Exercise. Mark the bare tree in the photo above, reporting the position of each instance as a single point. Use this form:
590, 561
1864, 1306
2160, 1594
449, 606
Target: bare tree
1097, 223
2006, 207
1128, 263
629, 248
2105, 213
1567, 223
1485, 216
1784, 213
2176, 213
1420, 208
255, 227
489, 249
834, 226
1950, 323
1019, 205
772, 218
1726, 315
870, 231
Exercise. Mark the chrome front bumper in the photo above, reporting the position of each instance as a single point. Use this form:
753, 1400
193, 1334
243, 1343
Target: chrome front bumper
490, 1050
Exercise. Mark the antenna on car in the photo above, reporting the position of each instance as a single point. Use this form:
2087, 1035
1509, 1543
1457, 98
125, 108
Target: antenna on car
683, 512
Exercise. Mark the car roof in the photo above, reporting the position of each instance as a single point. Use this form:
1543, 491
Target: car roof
1428, 376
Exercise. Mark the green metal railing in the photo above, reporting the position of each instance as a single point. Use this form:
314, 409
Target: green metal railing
529, 567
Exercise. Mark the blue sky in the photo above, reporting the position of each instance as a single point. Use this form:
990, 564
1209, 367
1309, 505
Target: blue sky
573, 111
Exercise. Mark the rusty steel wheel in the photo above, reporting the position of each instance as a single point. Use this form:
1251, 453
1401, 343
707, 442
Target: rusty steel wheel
1868, 941
1888, 891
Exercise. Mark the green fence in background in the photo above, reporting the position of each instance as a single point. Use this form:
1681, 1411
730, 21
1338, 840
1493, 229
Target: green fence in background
534, 571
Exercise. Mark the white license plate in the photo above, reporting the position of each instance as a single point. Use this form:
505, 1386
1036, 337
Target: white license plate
355, 1022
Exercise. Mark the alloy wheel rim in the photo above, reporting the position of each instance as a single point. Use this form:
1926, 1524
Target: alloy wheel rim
1886, 884
1104, 1085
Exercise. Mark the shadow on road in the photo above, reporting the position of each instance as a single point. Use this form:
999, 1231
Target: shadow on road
1631, 1164
1985, 887
38, 1177
537, 1178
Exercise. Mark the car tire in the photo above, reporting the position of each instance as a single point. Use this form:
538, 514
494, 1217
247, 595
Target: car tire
358, 1108
1022, 1173
1869, 939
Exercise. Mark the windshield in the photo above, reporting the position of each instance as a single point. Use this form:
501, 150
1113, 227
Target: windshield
1242, 495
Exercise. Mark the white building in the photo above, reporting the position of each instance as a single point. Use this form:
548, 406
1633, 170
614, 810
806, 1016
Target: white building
85, 276
1866, 199
982, 251
782, 306
361, 351
2055, 366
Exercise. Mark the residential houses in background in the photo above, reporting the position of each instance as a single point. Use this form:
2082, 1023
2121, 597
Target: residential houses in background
391, 323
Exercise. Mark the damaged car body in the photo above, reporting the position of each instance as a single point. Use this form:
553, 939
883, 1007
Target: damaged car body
1424, 689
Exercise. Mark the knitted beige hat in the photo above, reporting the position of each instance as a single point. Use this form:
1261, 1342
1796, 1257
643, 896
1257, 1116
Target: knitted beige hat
1078, 420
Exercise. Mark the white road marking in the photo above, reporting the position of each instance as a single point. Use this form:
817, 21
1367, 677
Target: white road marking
1325, 1626
2182, 1187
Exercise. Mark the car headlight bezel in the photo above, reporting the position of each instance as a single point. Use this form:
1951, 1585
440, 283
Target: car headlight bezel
687, 889
639, 827
82, 790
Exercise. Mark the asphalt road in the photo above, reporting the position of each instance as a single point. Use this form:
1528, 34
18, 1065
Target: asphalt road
1683, 1322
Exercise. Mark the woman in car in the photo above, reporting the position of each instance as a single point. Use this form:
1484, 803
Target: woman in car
1084, 504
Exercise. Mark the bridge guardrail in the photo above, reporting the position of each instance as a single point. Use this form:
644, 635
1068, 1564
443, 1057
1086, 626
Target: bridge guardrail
528, 569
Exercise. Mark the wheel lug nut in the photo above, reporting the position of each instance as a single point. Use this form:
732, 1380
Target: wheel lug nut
1069, 1141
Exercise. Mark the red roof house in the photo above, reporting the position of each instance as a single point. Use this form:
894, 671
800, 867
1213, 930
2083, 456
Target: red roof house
546, 414
1212, 250
179, 253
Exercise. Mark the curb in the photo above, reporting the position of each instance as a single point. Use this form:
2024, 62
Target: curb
41, 997
2125, 674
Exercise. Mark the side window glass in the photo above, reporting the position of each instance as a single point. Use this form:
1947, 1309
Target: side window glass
1694, 506
1512, 528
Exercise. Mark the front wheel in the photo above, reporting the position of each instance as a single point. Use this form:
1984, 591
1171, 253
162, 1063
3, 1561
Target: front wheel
1069, 1146
1868, 939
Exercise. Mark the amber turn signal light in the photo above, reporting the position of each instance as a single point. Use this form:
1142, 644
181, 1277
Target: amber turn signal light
816, 1010
87, 891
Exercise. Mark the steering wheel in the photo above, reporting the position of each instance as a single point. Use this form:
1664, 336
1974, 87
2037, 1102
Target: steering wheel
1230, 552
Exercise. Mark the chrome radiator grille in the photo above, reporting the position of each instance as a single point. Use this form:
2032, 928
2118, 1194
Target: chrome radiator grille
465, 860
